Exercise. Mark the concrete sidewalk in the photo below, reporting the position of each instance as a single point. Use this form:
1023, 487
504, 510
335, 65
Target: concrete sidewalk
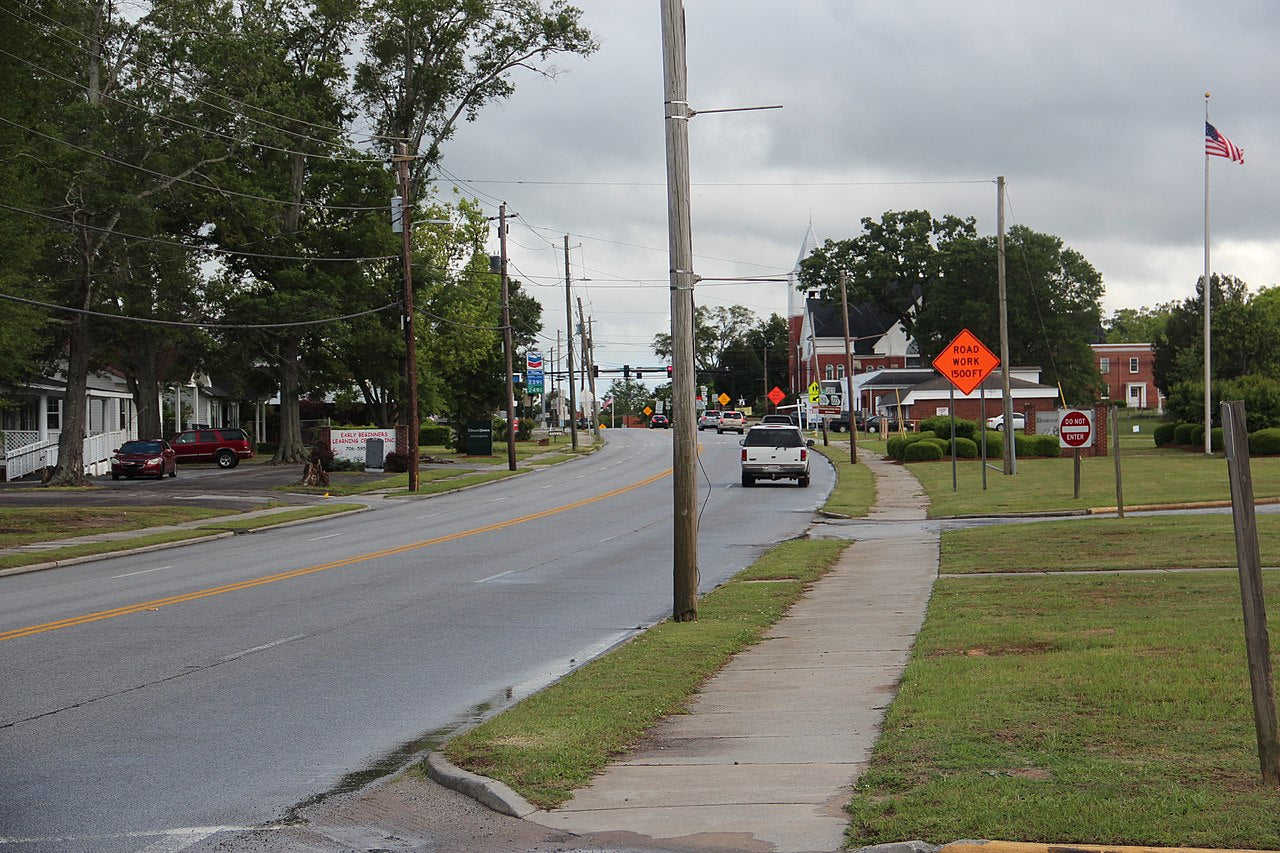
771, 747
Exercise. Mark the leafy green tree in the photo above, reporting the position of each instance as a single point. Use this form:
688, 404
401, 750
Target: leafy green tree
429, 64
715, 330
1136, 325
939, 277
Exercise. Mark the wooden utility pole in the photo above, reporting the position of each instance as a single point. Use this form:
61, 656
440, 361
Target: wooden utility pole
568, 326
1010, 463
848, 372
684, 442
506, 340
402, 160
1249, 560
1115, 451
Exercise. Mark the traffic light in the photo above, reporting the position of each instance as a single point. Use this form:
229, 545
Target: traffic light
595, 371
639, 375
668, 371
626, 371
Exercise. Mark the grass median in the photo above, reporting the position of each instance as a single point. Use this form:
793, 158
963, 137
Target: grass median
855, 490
553, 742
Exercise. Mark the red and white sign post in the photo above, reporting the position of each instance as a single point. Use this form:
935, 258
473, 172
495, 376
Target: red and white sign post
1075, 430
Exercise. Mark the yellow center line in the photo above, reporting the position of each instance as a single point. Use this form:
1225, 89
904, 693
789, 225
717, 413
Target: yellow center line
297, 573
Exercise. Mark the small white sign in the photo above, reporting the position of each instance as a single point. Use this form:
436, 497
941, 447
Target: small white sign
349, 444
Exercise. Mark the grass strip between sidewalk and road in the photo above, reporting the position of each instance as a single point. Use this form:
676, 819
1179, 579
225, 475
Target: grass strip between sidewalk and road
81, 521
855, 490
1182, 541
554, 741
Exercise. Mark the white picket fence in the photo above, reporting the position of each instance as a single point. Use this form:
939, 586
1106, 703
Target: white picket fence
21, 460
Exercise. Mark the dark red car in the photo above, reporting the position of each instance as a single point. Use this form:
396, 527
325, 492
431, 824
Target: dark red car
144, 457
225, 446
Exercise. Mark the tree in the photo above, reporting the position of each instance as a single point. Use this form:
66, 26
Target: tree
1136, 325
715, 330
939, 277
431, 63
1244, 337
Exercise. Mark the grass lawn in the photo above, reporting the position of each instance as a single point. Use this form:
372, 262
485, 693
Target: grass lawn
23, 525
1098, 709
1151, 476
1089, 544
552, 742
855, 490
318, 511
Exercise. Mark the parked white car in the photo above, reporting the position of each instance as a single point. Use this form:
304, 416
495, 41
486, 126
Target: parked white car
997, 423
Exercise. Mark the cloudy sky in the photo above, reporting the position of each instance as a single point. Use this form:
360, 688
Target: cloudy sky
1092, 111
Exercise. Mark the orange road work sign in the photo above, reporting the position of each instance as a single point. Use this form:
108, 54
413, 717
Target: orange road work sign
966, 361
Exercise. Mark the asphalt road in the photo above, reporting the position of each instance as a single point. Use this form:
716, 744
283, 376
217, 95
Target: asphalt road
158, 700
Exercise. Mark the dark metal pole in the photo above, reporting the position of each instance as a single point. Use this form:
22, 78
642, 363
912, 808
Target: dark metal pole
848, 370
506, 341
402, 160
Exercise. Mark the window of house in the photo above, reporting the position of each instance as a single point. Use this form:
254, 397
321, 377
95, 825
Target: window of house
1133, 365
53, 414
829, 372
1104, 365
839, 371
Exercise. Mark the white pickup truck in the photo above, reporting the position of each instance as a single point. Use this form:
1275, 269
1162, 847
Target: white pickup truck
775, 452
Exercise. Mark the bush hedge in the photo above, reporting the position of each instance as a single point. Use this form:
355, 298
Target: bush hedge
1195, 435
435, 434
966, 448
1265, 442
940, 425
1182, 433
922, 451
1163, 434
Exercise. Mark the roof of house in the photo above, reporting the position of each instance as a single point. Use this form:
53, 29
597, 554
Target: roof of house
867, 324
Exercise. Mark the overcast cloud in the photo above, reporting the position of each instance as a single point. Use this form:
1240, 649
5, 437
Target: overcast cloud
1092, 111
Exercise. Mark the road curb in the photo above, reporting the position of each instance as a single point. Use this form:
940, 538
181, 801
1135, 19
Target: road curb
489, 792
89, 558
1103, 510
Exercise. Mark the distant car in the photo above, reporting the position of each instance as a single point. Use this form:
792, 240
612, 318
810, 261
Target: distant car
997, 423
885, 424
731, 422
775, 452
224, 446
659, 422
709, 419
584, 423
146, 457
785, 420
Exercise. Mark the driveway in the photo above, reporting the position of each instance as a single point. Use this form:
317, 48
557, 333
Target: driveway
247, 486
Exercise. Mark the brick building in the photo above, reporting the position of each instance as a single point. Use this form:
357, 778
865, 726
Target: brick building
1128, 374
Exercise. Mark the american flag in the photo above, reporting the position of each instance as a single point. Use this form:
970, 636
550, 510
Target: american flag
1219, 146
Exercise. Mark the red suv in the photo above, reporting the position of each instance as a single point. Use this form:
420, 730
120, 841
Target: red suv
225, 446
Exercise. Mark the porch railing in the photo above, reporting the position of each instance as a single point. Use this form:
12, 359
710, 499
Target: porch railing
21, 461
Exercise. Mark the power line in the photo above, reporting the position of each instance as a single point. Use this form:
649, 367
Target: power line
211, 249
188, 324
78, 46
188, 125
176, 179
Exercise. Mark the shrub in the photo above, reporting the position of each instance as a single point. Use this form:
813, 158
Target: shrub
966, 448
1195, 435
895, 446
925, 433
1216, 442
995, 444
1045, 446
397, 463
523, 429
435, 434
1182, 433
1164, 434
940, 425
1265, 442
922, 451
1261, 396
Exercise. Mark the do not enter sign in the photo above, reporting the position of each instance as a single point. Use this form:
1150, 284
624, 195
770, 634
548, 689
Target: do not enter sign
1075, 428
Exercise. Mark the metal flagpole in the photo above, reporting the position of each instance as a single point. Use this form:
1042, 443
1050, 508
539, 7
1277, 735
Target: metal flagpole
1208, 414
